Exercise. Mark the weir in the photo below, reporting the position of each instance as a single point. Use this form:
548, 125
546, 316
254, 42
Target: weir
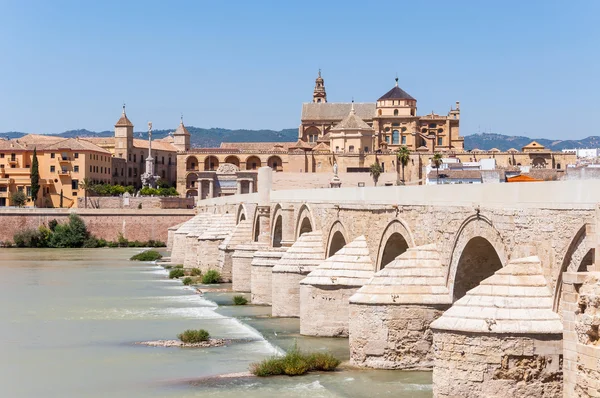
430, 251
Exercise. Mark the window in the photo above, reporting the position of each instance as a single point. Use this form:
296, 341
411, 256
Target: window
366, 149
1, 156
76, 169
440, 141
75, 185
387, 139
169, 161
28, 191
74, 193
395, 137
337, 148
64, 170
129, 157
4, 189
52, 155
134, 157
64, 156
129, 172
395, 112
432, 125
91, 168
351, 148
403, 129
52, 169
403, 140
163, 160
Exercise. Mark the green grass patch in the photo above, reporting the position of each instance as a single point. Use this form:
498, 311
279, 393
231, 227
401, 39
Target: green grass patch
295, 363
187, 281
167, 266
195, 272
211, 277
148, 255
194, 336
240, 300
176, 273
179, 266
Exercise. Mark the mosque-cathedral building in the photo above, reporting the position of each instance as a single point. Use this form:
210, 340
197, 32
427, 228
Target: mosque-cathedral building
353, 135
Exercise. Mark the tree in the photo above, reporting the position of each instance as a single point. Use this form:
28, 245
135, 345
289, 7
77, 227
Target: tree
375, 171
403, 156
18, 198
35, 177
61, 198
436, 162
84, 184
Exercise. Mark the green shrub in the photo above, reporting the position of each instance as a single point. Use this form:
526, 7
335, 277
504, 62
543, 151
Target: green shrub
240, 300
156, 243
122, 241
176, 273
211, 277
71, 234
295, 363
178, 266
90, 243
167, 266
113, 244
102, 243
187, 281
136, 243
194, 336
30, 238
148, 255
323, 361
195, 272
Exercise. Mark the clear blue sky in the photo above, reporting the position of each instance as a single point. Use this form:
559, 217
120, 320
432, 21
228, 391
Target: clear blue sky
518, 67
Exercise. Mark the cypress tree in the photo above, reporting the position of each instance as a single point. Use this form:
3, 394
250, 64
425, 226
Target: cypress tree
61, 198
35, 177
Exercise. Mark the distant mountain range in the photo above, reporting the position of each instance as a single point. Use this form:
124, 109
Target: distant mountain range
212, 138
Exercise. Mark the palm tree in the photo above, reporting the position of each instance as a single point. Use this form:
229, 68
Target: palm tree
375, 171
85, 184
403, 156
436, 162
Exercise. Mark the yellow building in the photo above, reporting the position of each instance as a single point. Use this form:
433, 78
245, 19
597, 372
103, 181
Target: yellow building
62, 163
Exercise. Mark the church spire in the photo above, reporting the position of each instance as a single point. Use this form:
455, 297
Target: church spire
319, 95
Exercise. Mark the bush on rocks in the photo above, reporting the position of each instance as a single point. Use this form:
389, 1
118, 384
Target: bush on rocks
192, 336
240, 300
148, 255
295, 363
187, 281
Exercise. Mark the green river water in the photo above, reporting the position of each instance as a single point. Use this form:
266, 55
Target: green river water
70, 318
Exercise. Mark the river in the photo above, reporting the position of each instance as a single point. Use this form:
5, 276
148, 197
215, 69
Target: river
70, 318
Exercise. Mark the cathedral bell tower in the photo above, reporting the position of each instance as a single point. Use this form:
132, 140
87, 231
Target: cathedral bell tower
319, 95
181, 138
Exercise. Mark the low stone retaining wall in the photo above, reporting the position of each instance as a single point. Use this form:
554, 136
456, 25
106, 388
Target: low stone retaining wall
132, 202
141, 225
324, 310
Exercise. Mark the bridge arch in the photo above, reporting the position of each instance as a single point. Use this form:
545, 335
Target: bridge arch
337, 238
478, 251
242, 213
277, 226
577, 258
395, 240
305, 221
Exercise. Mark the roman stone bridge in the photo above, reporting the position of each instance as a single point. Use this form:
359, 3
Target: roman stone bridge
381, 264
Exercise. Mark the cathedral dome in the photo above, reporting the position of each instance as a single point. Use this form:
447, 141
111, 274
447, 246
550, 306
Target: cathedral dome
396, 93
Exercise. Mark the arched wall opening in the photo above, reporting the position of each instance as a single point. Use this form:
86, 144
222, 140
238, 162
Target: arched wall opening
256, 229
211, 163
191, 181
275, 163
253, 163
191, 163
241, 213
337, 242
305, 222
395, 246
233, 160
478, 261
278, 232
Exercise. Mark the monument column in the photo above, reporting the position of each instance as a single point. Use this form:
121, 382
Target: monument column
287, 233
211, 183
251, 185
200, 181
265, 178
239, 186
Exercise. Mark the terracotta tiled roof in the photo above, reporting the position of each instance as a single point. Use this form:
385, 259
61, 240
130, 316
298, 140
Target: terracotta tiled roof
75, 144
322, 147
181, 130
351, 122
334, 111
123, 121
256, 146
11, 145
301, 145
100, 140
156, 144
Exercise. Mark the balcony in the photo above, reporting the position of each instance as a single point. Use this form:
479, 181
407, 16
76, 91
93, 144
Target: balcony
64, 159
12, 162
64, 172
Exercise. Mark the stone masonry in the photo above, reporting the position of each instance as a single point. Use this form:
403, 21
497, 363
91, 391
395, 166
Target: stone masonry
260, 274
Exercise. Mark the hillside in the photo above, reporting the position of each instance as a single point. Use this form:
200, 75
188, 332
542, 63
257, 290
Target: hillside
211, 138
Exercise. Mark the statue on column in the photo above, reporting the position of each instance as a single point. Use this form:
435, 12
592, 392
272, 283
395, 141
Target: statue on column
148, 178
335, 181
